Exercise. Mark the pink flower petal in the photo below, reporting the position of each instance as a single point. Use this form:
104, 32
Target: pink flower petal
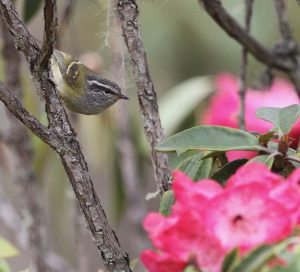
294, 177
156, 224
288, 195
193, 194
155, 262
184, 237
254, 172
245, 217
217, 113
224, 107
235, 155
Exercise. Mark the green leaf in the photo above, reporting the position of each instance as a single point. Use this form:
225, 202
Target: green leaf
174, 159
166, 202
268, 160
214, 138
191, 268
282, 118
179, 152
291, 259
230, 261
182, 100
4, 266
211, 154
30, 8
222, 175
255, 259
7, 249
292, 160
258, 258
195, 167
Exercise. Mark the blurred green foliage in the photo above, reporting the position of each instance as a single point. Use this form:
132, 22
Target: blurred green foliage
7, 250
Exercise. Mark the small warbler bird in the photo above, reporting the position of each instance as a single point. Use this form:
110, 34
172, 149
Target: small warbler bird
82, 90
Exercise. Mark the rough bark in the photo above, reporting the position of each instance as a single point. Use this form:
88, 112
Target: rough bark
59, 134
128, 15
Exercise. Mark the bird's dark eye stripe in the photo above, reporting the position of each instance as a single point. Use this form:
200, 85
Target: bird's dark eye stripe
95, 85
107, 90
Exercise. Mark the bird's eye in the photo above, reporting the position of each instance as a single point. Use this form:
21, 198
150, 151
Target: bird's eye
106, 90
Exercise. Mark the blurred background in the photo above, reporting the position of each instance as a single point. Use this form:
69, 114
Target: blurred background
185, 50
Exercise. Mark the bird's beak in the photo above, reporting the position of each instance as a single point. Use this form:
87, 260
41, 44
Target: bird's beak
122, 96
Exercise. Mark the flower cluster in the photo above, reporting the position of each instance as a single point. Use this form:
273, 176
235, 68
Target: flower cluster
224, 108
207, 220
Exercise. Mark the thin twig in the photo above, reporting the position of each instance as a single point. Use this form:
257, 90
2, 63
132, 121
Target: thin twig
282, 16
128, 14
288, 63
215, 9
244, 62
49, 32
16, 108
66, 144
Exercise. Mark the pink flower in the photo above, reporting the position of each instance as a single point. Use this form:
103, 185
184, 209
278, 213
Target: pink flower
207, 221
193, 195
254, 172
288, 195
224, 107
184, 238
245, 217
156, 262
294, 178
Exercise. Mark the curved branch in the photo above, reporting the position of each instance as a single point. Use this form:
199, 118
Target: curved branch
16, 108
215, 9
67, 145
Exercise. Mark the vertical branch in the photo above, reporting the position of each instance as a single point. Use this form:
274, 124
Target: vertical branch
135, 208
282, 16
128, 14
244, 62
20, 146
49, 38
